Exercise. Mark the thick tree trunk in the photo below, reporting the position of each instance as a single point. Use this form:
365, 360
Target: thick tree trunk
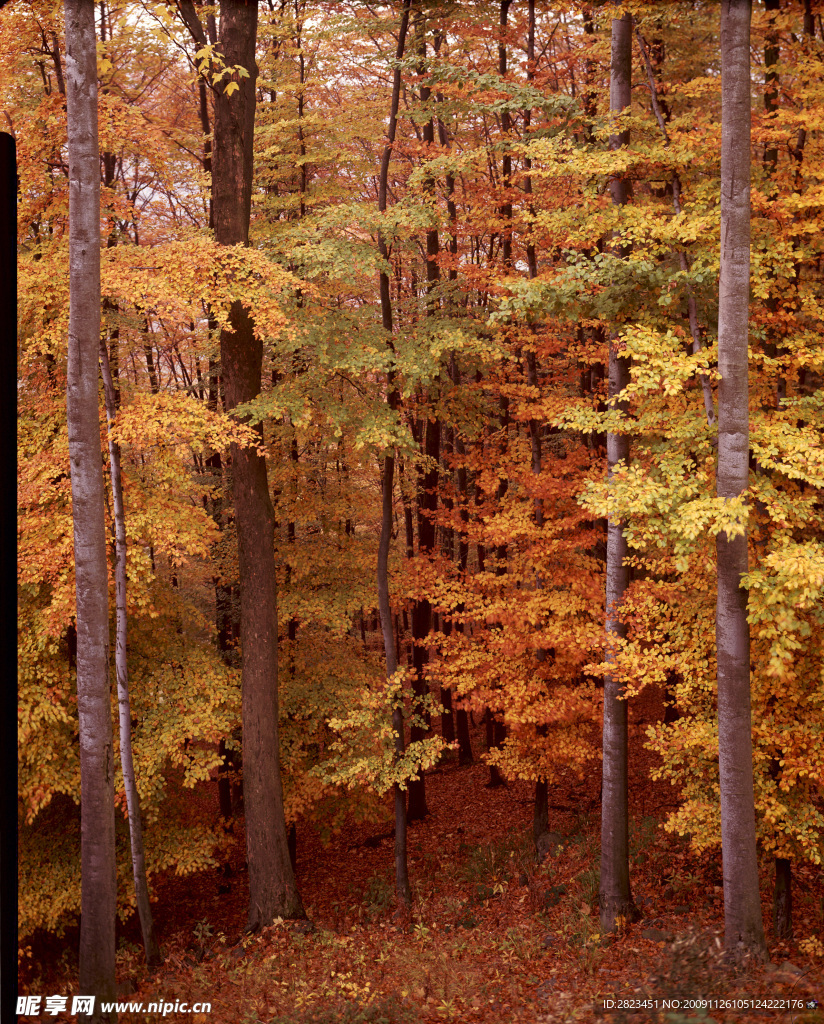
97, 851
141, 888
272, 889
617, 905
742, 903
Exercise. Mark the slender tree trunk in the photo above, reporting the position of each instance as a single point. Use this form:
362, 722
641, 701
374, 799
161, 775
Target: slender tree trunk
462, 718
97, 851
540, 816
226, 627
399, 796
783, 899
422, 610
141, 888
743, 924
616, 901
495, 736
272, 889
428, 489
495, 729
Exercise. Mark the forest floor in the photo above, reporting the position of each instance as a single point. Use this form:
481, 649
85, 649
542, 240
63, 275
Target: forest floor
492, 937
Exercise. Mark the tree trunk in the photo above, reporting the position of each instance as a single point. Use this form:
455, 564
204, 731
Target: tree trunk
428, 489
464, 739
272, 889
540, 815
98, 904
462, 718
742, 903
422, 610
616, 901
399, 796
783, 899
141, 889
495, 736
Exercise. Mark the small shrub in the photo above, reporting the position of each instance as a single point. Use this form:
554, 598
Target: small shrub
379, 894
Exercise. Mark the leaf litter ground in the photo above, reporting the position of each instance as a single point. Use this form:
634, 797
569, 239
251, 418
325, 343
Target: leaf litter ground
492, 937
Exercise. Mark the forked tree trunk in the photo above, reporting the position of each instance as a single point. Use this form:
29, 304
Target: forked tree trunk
98, 900
743, 924
272, 888
141, 888
616, 901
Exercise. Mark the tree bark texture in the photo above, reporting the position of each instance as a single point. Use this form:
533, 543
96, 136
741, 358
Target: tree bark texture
98, 904
615, 893
272, 888
742, 903
141, 888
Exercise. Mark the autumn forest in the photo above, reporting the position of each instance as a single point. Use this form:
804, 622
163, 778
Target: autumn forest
420, 509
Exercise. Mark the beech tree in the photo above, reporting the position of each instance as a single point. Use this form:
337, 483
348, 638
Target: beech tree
99, 887
385, 253
743, 926
615, 893
272, 888
141, 888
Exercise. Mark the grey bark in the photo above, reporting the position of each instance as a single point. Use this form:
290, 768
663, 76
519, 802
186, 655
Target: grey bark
141, 889
742, 903
98, 899
272, 888
616, 901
